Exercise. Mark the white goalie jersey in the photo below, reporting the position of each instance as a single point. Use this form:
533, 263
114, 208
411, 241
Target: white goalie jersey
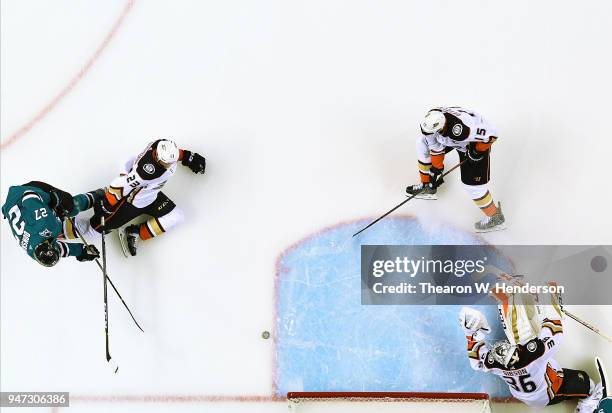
536, 377
140, 179
463, 127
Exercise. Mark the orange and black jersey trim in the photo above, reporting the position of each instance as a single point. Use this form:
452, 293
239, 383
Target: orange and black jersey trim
554, 380
113, 195
474, 347
555, 326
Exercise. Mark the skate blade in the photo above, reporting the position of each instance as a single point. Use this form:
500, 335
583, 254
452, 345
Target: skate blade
428, 197
123, 242
500, 227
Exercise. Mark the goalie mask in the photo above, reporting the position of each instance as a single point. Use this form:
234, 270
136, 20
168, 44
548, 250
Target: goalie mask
46, 254
505, 353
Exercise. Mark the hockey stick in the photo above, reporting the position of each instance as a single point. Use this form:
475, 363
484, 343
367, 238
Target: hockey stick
104, 278
563, 310
76, 231
587, 325
603, 377
406, 200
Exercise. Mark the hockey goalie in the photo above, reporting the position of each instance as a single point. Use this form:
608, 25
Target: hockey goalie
525, 361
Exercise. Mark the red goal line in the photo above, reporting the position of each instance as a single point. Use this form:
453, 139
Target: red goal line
389, 396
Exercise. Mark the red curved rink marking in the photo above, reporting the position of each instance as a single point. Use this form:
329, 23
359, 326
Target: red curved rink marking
73, 82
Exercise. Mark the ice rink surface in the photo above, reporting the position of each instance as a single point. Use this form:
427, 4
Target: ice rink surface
307, 114
328, 341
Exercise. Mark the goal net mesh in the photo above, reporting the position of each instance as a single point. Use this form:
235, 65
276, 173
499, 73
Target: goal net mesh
355, 402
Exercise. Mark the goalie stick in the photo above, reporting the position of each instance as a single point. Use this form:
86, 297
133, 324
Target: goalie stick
502, 275
587, 325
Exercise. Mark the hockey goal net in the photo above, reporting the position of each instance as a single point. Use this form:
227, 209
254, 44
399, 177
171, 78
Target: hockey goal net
388, 402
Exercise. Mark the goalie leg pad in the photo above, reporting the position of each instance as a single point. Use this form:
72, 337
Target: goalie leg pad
516, 313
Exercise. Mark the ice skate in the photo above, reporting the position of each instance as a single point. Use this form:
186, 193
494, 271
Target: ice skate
128, 237
422, 191
588, 404
497, 222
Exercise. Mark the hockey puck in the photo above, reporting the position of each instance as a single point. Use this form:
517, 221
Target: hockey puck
265, 335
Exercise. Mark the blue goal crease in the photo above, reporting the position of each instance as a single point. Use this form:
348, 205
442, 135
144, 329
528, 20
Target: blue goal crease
328, 341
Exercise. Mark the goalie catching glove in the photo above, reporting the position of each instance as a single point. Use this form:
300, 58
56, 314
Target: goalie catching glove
194, 161
473, 320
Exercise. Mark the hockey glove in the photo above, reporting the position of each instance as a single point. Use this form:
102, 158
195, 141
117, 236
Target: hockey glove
90, 253
435, 177
473, 321
473, 154
194, 161
61, 204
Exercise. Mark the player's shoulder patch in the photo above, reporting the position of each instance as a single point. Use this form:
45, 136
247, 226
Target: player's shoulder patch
532, 347
147, 168
530, 352
456, 130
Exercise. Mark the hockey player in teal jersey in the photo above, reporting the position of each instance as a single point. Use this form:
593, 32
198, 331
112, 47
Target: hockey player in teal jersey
605, 404
37, 214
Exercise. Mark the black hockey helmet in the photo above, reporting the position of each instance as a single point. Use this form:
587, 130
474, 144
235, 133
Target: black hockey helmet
46, 254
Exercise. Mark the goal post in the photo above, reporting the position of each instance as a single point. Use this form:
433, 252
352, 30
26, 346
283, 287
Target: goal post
388, 402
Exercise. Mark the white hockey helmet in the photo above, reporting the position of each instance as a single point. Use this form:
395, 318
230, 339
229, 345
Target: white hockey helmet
434, 122
167, 152
505, 353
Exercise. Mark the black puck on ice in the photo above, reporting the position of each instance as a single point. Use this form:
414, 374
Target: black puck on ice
265, 335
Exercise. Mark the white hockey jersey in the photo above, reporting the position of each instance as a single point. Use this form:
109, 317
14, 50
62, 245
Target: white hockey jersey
140, 179
536, 378
462, 128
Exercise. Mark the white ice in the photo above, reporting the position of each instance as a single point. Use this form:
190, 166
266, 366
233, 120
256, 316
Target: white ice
306, 112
